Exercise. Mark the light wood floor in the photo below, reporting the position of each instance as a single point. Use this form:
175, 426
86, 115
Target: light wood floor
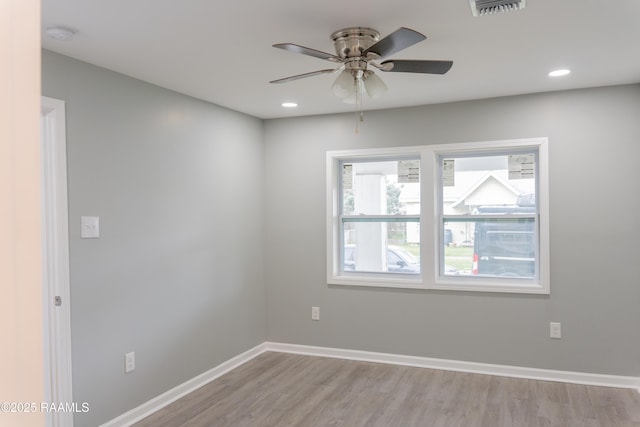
277, 389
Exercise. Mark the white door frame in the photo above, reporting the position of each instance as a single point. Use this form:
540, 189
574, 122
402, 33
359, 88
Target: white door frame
55, 246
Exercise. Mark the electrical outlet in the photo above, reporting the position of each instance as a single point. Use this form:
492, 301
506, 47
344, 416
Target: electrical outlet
129, 362
555, 330
315, 313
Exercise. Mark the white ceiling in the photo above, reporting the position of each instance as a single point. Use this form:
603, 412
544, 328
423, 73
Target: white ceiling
220, 51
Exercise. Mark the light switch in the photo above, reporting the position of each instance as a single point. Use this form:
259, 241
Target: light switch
129, 362
89, 227
555, 330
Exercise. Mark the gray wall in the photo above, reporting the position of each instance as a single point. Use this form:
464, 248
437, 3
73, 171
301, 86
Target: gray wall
594, 138
176, 275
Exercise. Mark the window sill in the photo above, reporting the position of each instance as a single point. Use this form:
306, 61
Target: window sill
376, 281
442, 284
499, 285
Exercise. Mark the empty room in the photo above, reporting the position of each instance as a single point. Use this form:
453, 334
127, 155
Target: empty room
358, 213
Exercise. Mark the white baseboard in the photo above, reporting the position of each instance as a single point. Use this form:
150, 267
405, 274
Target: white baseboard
461, 366
157, 403
154, 405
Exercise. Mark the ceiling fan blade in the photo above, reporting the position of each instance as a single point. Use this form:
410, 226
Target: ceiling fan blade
302, 76
395, 42
307, 51
416, 66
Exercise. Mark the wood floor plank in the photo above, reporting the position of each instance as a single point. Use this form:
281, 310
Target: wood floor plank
287, 390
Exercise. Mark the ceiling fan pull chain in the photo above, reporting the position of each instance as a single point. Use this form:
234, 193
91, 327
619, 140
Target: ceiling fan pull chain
359, 108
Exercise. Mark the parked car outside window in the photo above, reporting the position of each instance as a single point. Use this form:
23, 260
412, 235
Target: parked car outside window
399, 260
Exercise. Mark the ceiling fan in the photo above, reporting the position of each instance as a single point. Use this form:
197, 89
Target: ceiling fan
358, 50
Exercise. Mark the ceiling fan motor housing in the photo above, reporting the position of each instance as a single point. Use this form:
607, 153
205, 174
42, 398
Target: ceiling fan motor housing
351, 42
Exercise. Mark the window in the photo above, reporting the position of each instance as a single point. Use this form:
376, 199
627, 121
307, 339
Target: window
470, 216
376, 212
492, 216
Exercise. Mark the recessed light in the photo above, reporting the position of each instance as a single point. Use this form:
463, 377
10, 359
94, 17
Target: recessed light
60, 33
559, 73
289, 104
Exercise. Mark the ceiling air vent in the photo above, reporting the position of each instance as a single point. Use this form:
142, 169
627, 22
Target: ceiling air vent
487, 7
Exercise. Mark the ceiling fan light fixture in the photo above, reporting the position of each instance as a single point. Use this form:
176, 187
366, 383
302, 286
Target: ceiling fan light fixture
355, 97
344, 86
374, 85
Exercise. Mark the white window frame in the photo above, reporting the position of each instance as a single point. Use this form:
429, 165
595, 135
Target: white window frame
537, 285
334, 274
430, 214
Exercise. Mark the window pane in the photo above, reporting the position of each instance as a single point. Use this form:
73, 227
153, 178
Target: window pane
381, 187
381, 247
491, 184
499, 248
